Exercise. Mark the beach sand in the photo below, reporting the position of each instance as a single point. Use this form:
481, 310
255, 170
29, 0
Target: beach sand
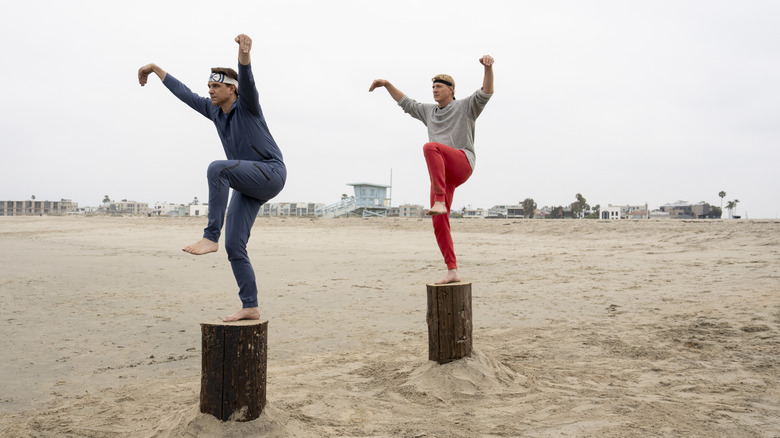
582, 328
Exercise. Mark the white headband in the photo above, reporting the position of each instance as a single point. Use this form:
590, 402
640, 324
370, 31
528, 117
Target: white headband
221, 78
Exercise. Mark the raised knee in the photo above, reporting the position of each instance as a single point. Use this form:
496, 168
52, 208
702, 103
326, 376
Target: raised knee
214, 169
427, 147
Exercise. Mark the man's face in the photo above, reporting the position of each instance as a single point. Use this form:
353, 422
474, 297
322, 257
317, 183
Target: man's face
442, 92
219, 93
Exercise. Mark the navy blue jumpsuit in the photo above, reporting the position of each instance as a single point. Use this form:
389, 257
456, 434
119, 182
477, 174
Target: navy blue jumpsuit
254, 169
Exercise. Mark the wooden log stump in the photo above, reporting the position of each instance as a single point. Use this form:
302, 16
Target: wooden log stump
449, 321
232, 384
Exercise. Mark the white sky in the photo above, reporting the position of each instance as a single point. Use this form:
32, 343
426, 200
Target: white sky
623, 101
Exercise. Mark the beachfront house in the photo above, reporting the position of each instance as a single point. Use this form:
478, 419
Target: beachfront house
163, 208
686, 210
505, 211
195, 210
407, 210
615, 212
611, 212
125, 207
289, 209
474, 213
36, 208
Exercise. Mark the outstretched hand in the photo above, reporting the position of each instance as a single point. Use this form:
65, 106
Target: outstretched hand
143, 73
487, 61
377, 84
394, 92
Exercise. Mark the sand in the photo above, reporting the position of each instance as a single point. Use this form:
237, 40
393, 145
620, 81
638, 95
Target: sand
581, 328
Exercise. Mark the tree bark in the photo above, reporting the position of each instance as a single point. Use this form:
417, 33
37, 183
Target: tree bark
232, 386
449, 322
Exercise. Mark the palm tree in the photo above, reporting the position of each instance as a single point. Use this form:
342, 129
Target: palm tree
106, 199
722, 195
730, 206
736, 201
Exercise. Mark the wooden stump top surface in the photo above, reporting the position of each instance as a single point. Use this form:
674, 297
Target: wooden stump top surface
459, 283
235, 323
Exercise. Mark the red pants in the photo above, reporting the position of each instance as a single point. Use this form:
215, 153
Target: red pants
448, 168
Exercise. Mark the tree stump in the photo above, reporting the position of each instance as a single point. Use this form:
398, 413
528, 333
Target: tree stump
449, 321
232, 384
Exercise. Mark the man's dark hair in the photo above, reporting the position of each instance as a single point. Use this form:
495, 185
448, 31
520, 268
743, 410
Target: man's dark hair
227, 71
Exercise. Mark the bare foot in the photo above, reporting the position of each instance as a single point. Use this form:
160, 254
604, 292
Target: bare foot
451, 277
245, 313
203, 246
437, 208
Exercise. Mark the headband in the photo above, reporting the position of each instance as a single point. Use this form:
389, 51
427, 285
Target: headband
221, 78
442, 81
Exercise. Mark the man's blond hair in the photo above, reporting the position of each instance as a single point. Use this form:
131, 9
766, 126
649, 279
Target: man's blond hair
446, 78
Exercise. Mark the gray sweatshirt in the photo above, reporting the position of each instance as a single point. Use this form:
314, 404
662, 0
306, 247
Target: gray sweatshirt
452, 125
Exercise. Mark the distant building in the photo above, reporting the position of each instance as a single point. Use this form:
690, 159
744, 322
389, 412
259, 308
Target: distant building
407, 210
474, 213
703, 210
658, 214
686, 210
83, 210
616, 212
611, 212
194, 210
269, 209
165, 209
505, 211
638, 214
289, 209
129, 207
37, 208
369, 200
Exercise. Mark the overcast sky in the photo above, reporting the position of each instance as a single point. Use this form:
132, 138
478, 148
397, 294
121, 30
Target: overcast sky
625, 102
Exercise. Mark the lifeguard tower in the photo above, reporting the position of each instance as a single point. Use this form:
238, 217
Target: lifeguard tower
370, 200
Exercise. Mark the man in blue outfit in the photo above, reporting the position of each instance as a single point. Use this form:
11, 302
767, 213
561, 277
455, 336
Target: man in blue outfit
254, 168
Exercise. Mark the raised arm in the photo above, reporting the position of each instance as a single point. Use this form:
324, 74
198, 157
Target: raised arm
395, 93
487, 81
244, 46
145, 71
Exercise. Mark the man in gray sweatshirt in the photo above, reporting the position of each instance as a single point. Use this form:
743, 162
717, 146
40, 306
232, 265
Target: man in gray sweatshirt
449, 152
